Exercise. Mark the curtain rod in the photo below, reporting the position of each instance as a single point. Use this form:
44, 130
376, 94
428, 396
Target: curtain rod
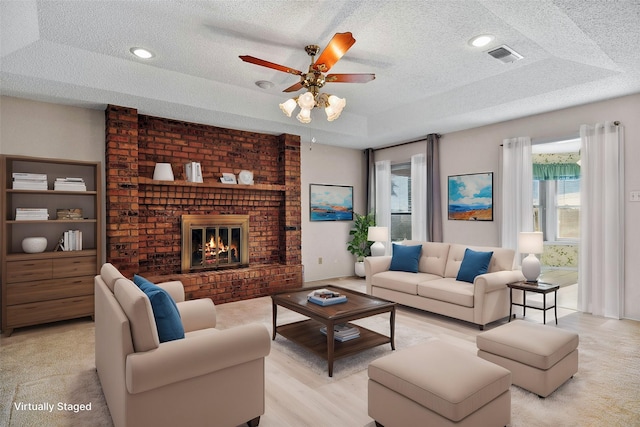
544, 141
404, 143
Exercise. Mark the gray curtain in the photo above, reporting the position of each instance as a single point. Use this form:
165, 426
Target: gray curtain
371, 180
434, 193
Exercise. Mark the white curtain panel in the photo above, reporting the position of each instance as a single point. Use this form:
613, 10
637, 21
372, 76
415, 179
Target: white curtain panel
601, 258
419, 197
383, 198
517, 191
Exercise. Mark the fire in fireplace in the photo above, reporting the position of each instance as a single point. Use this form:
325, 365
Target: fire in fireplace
212, 242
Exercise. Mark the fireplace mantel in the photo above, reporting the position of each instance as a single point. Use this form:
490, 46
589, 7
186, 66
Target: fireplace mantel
180, 183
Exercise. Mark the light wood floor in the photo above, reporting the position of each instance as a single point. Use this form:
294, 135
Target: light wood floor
297, 397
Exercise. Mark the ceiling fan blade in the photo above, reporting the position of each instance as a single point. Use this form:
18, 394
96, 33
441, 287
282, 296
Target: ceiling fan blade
337, 47
294, 88
349, 78
262, 62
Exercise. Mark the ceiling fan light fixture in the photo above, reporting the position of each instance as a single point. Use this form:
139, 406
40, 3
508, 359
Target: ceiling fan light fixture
306, 101
304, 116
334, 107
288, 106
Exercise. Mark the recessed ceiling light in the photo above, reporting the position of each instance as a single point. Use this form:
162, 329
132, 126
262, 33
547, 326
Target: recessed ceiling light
141, 52
482, 40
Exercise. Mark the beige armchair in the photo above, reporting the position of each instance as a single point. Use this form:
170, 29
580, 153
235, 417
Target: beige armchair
210, 378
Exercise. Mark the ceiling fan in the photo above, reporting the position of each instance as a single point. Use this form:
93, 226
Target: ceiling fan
315, 78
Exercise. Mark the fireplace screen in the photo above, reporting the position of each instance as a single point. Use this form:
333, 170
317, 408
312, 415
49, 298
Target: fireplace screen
211, 242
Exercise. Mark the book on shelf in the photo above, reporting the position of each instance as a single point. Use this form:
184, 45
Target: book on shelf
29, 181
193, 172
342, 332
71, 240
32, 214
69, 184
326, 297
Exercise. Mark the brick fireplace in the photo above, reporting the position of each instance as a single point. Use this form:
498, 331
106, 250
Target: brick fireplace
144, 216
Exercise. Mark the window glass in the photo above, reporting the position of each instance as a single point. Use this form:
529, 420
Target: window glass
400, 201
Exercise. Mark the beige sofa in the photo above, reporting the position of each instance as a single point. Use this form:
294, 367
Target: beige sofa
434, 287
210, 377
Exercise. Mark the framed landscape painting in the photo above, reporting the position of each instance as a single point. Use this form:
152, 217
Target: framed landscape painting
330, 202
471, 197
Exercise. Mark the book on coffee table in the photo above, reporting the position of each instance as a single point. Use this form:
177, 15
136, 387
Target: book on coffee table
342, 332
326, 297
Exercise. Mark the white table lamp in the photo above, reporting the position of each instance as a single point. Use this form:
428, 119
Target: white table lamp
530, 243
378, 235
163, 172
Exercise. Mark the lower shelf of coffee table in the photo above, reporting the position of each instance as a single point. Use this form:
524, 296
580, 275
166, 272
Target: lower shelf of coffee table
307, 334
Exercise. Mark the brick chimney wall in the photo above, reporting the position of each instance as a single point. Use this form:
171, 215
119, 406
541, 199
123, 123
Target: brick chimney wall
143, 216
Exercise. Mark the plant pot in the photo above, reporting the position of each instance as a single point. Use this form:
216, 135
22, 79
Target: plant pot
360, 269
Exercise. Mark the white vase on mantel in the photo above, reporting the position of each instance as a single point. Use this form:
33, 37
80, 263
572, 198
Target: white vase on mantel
360, 269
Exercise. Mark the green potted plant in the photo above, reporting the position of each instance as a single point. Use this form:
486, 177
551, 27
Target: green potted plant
359, 245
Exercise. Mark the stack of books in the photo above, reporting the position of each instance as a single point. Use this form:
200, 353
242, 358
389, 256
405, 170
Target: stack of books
71, 240
32, 214
326, 297
69, 184
342, 332
29, 181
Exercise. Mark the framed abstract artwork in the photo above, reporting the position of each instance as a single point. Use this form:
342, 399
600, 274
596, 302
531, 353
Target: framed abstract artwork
471, 197
330, 202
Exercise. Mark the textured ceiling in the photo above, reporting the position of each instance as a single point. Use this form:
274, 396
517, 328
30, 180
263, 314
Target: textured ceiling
428, 78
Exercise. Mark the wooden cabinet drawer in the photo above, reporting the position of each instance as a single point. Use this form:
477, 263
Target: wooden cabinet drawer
49, 311
72, 267
29, 270
44, 290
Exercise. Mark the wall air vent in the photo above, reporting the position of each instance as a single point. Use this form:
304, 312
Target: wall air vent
505, 54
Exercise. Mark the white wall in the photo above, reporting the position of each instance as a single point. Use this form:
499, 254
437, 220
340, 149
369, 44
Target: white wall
40, 129
324, 164
478, 150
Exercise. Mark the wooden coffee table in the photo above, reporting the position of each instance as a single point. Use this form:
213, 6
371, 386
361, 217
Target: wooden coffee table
307, 332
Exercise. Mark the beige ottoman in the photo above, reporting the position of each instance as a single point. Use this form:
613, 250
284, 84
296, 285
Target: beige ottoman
437, 384
541, 358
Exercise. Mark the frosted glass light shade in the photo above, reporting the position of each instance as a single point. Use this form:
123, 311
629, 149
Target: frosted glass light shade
304, 116
335, 107
288, 106
163, 172
306, 101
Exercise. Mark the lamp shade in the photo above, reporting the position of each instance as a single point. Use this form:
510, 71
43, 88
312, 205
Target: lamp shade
334, 107
530, 242
288, 106
378, 234
306, 100
304, 116
163, 172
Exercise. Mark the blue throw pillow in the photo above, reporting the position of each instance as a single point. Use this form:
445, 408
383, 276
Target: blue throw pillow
405, 258
473, 264
165, 310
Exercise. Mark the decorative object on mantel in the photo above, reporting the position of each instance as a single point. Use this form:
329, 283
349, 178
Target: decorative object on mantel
163, 172
193, 172
315, 79
228, 178
245, 177
34, 245
531, 242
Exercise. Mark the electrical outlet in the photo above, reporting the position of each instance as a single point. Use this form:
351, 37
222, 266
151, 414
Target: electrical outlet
634, 196
320, 260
